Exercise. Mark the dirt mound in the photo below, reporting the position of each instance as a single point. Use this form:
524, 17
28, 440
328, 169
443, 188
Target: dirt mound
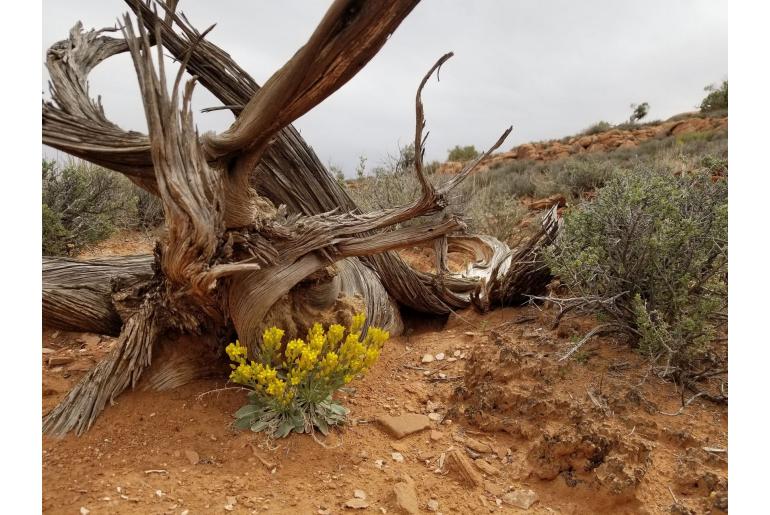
599, 142
594, 432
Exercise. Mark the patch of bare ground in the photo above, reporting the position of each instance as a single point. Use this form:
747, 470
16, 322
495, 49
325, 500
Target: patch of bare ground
584, 436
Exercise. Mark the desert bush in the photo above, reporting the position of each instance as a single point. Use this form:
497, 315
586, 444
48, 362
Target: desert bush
292, 387
84, 204
462, 153
493, 212
596, 128
716, 100
656, 243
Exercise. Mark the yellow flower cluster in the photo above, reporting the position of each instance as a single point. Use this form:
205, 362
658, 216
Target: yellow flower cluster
310, 369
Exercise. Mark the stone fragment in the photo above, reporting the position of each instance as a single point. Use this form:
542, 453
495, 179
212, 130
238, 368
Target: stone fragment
520, 498
403, 425
406, 497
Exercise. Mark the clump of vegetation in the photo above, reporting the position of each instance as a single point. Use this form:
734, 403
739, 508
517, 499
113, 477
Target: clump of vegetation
650, 254
596, 128
463, 154
292, 386
716, 100
84, 204
639, 111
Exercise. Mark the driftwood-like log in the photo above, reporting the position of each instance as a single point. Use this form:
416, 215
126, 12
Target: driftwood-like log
78, 295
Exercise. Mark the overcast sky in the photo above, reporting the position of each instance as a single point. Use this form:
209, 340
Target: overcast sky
550, 68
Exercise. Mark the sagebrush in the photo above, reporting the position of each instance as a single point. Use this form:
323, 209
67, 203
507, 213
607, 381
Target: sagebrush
84, 204
655, 242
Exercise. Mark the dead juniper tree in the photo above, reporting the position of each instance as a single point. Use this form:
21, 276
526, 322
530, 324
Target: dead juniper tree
256, 230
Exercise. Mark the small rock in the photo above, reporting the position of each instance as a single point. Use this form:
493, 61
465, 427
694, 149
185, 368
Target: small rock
185, 512
192, 456
436, 435
359, 494
494, 489
440, 356
379, 464
231, 502
477, 446
399, 446
456, 354
158, 493
46, 350
324, 511
84, 510
55, 361
55, 335
403, 425
427, 358
406, 497
520, 498
433, 505
397, 457
486, 467
356, 504
451, 360
435, 417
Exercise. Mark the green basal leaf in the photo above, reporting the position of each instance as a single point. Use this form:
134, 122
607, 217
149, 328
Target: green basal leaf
321, 424
283, 429
243, 422
247, 410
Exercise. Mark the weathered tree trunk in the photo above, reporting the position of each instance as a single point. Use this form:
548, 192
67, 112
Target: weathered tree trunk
257, 229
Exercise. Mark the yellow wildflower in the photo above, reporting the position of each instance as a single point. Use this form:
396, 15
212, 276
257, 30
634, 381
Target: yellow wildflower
293, 349
358, 323
236, 352
271, 342
329, 364
334, 335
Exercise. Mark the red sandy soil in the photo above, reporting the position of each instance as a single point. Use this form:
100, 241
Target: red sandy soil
587, 435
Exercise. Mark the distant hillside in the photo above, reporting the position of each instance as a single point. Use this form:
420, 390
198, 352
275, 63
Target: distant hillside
622, 136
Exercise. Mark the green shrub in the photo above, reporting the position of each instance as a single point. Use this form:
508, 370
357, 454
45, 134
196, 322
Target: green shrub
596, 128
657, 243
716, 100
466, 153
84, 204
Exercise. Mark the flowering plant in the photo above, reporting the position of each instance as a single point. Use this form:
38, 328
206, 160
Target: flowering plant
292, 385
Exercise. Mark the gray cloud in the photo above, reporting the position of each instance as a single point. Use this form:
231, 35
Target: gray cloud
549, 68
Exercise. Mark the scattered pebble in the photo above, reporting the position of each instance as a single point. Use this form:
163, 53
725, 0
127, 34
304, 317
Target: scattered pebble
84, 510
435, 417
520, 498
456, 354
359, 494
397, 457
440, 356
158, 493
436, 435
192, 456
403, 425
356, 504
433, 505
379, 464
406, 497
231, 502
427, 358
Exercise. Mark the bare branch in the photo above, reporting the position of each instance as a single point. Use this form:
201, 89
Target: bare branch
427, 188
349, 35
76, 124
